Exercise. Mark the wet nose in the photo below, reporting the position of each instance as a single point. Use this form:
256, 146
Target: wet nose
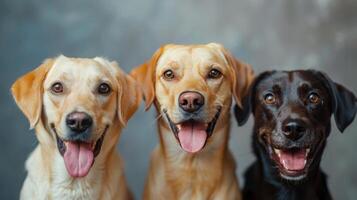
294, 130
79, 121
191, 101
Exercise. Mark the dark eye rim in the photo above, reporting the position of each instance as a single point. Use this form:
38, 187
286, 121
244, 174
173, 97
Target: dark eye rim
166, 77
319, 100
266, 96
107, 92
220, 74
53, 91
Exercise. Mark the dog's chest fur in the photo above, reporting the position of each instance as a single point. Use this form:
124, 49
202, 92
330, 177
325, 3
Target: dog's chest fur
75, 190
65, 187
53, 182
191, 177
256, 180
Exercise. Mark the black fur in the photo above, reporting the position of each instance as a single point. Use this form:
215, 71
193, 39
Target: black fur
263, 180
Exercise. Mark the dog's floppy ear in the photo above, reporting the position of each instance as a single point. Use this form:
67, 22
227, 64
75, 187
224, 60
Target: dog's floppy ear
242, 75
145, 77
128, 95
344, 103
242, 113
346, 107
28, 90
129, 98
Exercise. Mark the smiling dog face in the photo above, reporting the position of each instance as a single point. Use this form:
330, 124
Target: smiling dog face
193, 85
78, 100
292, 112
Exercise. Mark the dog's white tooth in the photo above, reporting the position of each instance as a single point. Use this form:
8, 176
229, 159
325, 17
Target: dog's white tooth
305, 161
284, 163
307, 152
277, 151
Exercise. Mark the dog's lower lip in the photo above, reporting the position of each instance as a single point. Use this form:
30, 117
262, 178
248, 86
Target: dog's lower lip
60, 145
99, 142
213, 122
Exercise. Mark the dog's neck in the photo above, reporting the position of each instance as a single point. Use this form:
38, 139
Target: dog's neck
55, 180
309, 189
185, 170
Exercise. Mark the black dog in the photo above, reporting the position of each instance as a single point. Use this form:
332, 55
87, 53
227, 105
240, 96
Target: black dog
292, 112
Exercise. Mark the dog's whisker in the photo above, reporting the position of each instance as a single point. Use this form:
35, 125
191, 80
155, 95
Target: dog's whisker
156, 119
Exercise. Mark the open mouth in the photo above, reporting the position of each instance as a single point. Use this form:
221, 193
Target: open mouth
78, 156
294, 163
192, 134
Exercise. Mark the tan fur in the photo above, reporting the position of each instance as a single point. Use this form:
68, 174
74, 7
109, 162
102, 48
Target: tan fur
47, 176
210, 173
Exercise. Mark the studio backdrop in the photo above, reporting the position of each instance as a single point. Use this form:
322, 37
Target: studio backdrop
276, 34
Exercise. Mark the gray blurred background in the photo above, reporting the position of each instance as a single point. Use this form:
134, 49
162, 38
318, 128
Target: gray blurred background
280, 34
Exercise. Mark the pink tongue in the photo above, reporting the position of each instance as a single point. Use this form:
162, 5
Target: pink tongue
78, 158
293, 161
192, 136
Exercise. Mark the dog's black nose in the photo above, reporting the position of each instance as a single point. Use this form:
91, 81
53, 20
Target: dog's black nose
294, 130
191, 101
79, 121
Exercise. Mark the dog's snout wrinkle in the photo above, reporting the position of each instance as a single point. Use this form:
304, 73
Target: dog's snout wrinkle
79, 121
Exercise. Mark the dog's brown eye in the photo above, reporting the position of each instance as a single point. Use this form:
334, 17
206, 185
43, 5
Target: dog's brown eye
104, 89
57, 88
269, 98
314, 98
169, 75
214, 74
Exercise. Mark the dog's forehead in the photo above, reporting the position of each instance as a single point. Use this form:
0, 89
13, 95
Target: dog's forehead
276, 79
79, 68
292, 80
191, 55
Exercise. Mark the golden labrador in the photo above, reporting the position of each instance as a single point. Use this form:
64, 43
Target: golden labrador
78, 107
192, 88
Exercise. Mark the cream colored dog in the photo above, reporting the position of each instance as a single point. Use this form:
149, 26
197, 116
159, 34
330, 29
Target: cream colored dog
78, 107
192, 88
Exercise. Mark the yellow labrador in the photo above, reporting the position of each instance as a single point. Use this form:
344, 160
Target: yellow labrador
78, 107
192, 88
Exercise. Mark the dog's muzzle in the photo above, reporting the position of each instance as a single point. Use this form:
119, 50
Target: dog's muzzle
78, 155
192, 134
